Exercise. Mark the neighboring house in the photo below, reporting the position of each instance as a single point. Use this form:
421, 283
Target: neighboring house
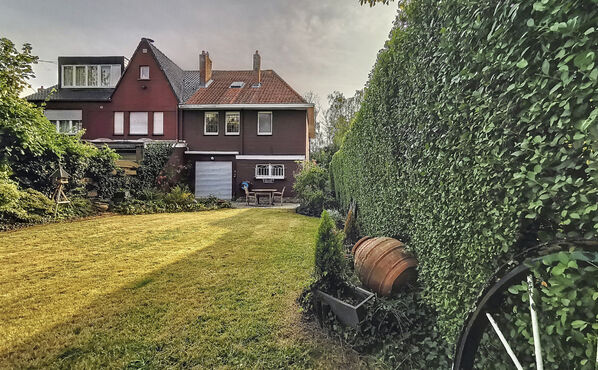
229, 126
81, 98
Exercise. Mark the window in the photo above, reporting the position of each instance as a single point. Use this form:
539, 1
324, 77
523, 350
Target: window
264, 123
67, 76
119, 123
210, 124
80, 76
269, 171
233, 123
105, 75
90, 75
67, 121
144, 73
158, 123
69, 127
138, 123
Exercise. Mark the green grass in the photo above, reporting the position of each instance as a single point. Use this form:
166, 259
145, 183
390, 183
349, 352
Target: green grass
207, 289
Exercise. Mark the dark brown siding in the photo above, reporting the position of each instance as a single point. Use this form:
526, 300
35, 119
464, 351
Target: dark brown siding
193, 122
288, 134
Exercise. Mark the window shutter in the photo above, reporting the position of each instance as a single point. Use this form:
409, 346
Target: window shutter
158, 123
138, 123
119, 123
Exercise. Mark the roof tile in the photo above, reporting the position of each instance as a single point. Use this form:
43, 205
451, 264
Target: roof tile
273, 89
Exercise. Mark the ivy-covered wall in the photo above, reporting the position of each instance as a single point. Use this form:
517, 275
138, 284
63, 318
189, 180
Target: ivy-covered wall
478, 136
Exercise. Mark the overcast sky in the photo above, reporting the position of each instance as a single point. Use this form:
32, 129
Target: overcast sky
315, 45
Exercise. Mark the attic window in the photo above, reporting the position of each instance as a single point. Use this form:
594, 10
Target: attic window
237, 85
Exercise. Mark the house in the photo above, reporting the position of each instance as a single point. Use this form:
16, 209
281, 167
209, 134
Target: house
246, 125
229, 126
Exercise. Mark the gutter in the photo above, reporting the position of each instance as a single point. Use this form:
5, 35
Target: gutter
299, 106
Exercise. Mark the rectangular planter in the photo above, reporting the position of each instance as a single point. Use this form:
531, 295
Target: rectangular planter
347, 313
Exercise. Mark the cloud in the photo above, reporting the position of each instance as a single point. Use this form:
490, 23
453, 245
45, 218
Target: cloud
318, 46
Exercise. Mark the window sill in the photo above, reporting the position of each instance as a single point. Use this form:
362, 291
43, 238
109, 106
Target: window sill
269, 178
267, 134
131, 134
233, 134
210, 134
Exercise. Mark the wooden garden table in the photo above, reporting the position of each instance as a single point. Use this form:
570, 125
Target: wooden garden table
268, 192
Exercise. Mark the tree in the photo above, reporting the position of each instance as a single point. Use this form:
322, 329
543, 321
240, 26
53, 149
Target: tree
340, 114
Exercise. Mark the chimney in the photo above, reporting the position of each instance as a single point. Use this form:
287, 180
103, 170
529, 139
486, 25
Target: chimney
257, 66
40, 89
205, 67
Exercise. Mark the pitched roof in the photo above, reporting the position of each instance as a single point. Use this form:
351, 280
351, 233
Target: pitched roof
273, 89
174, 74
53, 93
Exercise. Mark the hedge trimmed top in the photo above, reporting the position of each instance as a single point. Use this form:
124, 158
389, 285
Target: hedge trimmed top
478, 136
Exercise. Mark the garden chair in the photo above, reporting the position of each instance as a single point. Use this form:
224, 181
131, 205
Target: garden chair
278, 194
249, 195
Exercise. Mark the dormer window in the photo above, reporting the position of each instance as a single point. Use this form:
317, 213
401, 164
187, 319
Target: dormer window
144, 73
89, 76
237, 85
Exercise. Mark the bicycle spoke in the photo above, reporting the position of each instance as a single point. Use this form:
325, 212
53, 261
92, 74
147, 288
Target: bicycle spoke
535, 330
504, 342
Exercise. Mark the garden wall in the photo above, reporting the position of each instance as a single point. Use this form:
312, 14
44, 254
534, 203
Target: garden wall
477, 137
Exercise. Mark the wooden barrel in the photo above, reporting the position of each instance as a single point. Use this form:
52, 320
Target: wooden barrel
383, 264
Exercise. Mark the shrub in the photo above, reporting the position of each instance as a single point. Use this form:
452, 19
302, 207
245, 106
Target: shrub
336, 216
329, 259
155, 156
477, 137
312, 188
179, 199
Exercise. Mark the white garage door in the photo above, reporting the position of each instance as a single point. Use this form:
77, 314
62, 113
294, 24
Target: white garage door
214, 179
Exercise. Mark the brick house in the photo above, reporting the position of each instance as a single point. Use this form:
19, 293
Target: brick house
229, 126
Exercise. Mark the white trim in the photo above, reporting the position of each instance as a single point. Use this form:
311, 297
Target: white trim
226, 123
272, 157
217, 126
210, 152
271, 124
300, 106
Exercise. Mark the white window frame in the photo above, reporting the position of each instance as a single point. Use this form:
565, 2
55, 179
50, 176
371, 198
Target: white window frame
98, 67
146, 124
271, 124
158, 119
141, 69
226, 132
272, 173
120, 128
205, 124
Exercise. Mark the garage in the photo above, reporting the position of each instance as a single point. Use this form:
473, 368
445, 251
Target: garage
214, 179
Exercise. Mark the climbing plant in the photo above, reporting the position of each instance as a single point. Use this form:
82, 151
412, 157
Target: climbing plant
477, 137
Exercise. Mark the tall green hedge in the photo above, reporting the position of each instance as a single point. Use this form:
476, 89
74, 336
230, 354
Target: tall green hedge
478, 136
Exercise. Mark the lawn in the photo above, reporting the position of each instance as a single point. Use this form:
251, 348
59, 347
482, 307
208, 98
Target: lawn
207, 289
